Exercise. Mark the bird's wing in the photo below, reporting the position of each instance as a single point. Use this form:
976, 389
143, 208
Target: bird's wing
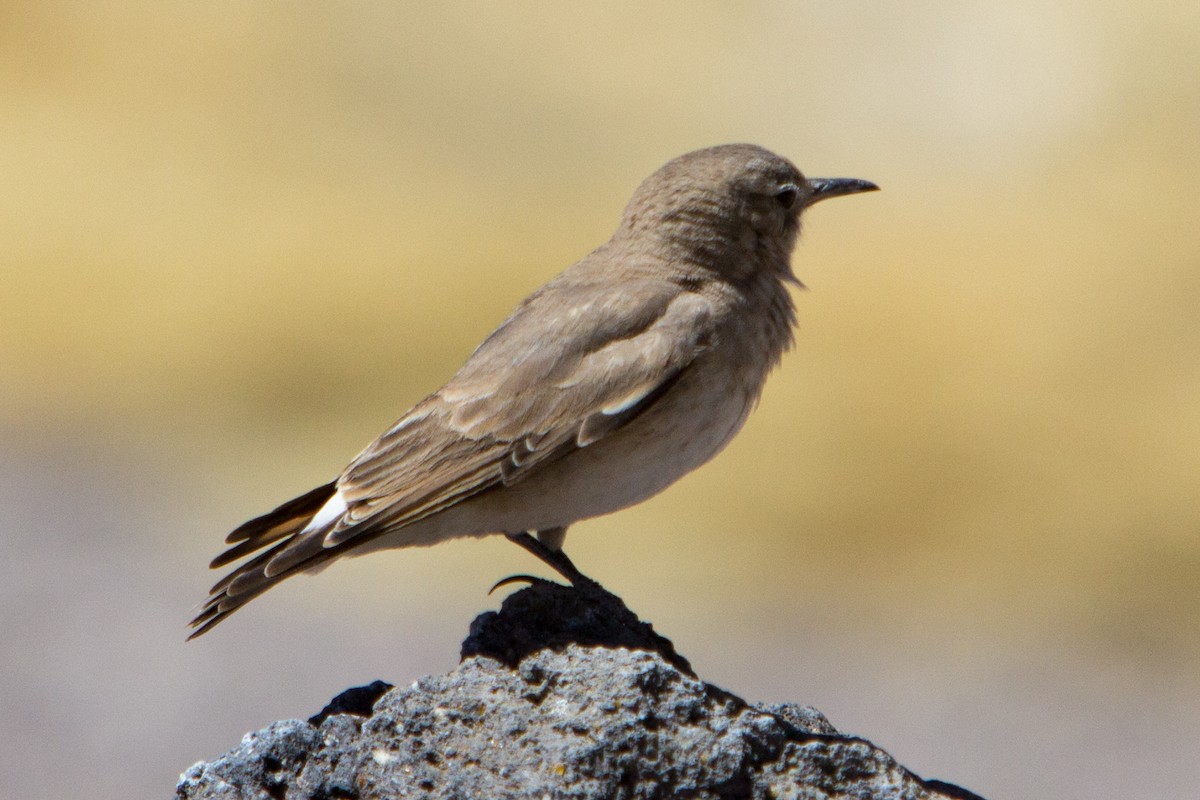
571, 365
527, 397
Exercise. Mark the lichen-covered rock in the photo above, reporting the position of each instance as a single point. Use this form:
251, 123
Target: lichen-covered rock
569, 721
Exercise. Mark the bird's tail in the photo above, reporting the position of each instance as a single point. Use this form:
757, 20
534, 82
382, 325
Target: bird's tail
281, 528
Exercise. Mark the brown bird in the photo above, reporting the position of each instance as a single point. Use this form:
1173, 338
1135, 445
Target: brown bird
627, 371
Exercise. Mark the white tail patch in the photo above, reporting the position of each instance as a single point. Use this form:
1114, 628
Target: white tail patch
330, 513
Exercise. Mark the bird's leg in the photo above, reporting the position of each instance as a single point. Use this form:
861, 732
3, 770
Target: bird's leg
553, 538
556, 559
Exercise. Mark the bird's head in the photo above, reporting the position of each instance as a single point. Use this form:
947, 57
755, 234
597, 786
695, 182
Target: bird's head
734, 209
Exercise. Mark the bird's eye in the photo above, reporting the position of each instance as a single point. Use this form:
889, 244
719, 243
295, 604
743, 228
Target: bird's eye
787, 197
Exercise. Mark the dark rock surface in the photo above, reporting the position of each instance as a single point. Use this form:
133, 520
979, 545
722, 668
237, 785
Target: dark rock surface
549, 616
563, 693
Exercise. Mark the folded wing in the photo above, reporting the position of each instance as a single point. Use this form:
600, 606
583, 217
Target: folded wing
521, 402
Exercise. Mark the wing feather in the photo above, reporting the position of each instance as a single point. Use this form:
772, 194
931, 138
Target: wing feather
522, 402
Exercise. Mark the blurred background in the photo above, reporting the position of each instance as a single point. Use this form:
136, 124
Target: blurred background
238, 240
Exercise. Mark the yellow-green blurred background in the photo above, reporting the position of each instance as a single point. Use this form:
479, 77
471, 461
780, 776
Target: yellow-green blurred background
238, 239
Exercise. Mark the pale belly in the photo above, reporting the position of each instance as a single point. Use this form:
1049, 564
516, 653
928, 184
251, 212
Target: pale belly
685, 428
682, 431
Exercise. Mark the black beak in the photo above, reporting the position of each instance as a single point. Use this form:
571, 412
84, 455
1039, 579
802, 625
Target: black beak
824, 188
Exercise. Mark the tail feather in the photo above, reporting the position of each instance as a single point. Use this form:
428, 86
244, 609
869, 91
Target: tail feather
249, 580
223, 601
261, 528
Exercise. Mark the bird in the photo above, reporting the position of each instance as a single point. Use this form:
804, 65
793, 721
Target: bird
628, 370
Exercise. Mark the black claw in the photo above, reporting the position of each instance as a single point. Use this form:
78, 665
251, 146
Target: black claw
530, 579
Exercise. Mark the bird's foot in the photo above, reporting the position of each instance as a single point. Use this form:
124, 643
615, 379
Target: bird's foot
555, 559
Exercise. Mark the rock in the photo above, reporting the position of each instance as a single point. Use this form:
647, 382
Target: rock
359, 701
549, 616
563, 693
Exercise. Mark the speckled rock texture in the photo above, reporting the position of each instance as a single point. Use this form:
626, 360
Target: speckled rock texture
563, 693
